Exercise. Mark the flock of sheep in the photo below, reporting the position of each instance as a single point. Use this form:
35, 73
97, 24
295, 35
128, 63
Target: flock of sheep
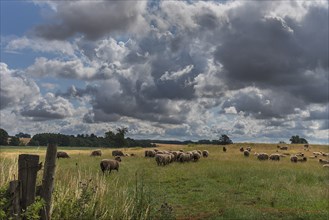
298, 157
164, 157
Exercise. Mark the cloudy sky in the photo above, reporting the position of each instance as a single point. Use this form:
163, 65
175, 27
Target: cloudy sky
187, 70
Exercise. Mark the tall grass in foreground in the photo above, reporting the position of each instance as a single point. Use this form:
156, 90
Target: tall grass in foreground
222, 186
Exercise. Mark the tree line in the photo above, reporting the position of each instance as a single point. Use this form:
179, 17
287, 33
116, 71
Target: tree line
111, 139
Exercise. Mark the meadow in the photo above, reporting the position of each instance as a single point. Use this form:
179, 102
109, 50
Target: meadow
226, 185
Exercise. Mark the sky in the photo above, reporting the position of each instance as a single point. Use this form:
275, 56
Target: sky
185, 70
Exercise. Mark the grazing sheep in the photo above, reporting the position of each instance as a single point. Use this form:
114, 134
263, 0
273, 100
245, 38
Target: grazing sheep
246, 153
117, 153
262, 156
248, 149
303, 159
299, 154
205, 153
184, 157
326, 165
162, 159
324, 161
317, 153
62, 154
325, 154
241, 149
109, 165
275, 157
294, 159
96, 153
150, 153
284, 148
117, 158
196, 156
224, 149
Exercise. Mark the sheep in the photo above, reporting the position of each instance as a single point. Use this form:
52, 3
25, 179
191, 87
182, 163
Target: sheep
248, 149
325, 154
241, 149
184, 157
96, 153
299, 154
117, 153
162, 159
246, 153
224, 149
325, 165
317, 153
199, 151
196, 156
109, 165
181, 150
293, 158
324, 161
150, 153
62, 154
303, 159
205, 153
275, 157
262, 156
284, 148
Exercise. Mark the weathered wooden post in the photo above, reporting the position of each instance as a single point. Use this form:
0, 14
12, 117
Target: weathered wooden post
15, 195
48, 180
28, 166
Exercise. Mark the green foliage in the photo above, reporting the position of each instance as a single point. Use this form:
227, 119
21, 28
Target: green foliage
4, 203
3, 137
32, 212
224, 139
298, 140
81, 207
14, 141
118, 139
22, 135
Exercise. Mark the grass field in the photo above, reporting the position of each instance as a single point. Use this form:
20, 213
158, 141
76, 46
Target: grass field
222, 186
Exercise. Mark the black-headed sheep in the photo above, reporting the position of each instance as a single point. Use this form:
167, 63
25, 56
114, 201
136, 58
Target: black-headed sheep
118, 153
248, 149
262, 156
62, 154
96, 153
324, 161
109, 165
241, 149
303, 159
205, 153
246, 153
275, 157
294, 159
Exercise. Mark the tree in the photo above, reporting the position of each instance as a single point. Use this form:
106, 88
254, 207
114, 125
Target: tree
3, 137
14, 141
117, 139
224, 139
298, 140
23, 135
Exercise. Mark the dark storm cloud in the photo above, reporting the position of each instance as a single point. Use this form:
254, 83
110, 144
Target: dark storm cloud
278, 53
322, 114
93, 19
263, 104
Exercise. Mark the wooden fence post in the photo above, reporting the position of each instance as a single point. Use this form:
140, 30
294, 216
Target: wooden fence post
48, 180
15, 195
28, 166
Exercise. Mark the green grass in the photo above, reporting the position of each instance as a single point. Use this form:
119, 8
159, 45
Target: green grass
222, 186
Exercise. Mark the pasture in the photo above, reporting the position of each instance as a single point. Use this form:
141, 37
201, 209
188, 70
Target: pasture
226, 185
